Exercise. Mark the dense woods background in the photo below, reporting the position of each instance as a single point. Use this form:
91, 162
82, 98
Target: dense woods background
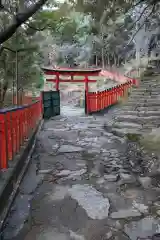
119, 34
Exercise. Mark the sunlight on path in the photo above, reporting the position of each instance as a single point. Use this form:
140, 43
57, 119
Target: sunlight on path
71, 111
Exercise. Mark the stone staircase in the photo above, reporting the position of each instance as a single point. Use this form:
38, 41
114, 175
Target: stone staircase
141, 113
139, 117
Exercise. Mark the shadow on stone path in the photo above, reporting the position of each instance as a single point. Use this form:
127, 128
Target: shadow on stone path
79, 187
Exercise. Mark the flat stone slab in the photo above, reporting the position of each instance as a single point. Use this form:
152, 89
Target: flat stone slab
71, 174
140, 207
63, 173
96, 206
126, 178
19, 216
58, 129
125, 213
69, 149
145, 181
111, 178
146, 227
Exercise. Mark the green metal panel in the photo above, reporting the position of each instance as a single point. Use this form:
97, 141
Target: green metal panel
47, 95
51, 104
56, 102
56, 110
47, 103
48, 113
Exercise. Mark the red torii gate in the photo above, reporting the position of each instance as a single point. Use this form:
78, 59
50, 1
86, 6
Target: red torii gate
94, 101
58, 72
72, 73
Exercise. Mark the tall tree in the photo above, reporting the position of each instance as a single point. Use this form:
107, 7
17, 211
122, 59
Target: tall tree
17, 12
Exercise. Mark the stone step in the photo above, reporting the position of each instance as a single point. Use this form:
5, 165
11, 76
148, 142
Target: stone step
142, 113
150, 79
143, 97
139, 120
153, 78
149, 85
142, 104
146, 101
145, 90
128, 125
122, 132
146, 108
145, 93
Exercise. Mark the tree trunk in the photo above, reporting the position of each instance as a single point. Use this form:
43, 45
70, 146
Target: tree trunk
96, 60
114, 59
20, 18
103, 63
108, 59
3, 90
118, 61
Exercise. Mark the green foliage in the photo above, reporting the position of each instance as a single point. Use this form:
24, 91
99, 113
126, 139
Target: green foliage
133, 137
151, 141
88, 31
29, 60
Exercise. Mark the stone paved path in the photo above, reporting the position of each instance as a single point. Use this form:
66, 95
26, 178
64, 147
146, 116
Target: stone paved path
83, 189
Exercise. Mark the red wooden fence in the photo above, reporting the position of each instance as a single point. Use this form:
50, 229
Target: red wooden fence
18, 123
97, 101
16, 126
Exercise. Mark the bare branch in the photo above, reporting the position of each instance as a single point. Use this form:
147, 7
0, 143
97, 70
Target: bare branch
153, 8
14, 51
7, 48
20, 18
34, 28
153, 2
135, 5
142, 13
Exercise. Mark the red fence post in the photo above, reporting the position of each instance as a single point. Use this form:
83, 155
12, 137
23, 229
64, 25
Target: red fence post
110, 96
86, 93
123, 90
107, 98
113, 95
116, 94
15, 126
101, 97
102, 100
3, 141
104, 94
9, 136
99, 100
57, 81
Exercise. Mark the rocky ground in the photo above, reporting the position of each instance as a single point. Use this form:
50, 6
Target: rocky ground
80, 186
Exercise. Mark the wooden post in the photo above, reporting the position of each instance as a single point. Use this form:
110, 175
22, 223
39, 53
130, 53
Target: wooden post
57, 81
86, 95
3, 140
